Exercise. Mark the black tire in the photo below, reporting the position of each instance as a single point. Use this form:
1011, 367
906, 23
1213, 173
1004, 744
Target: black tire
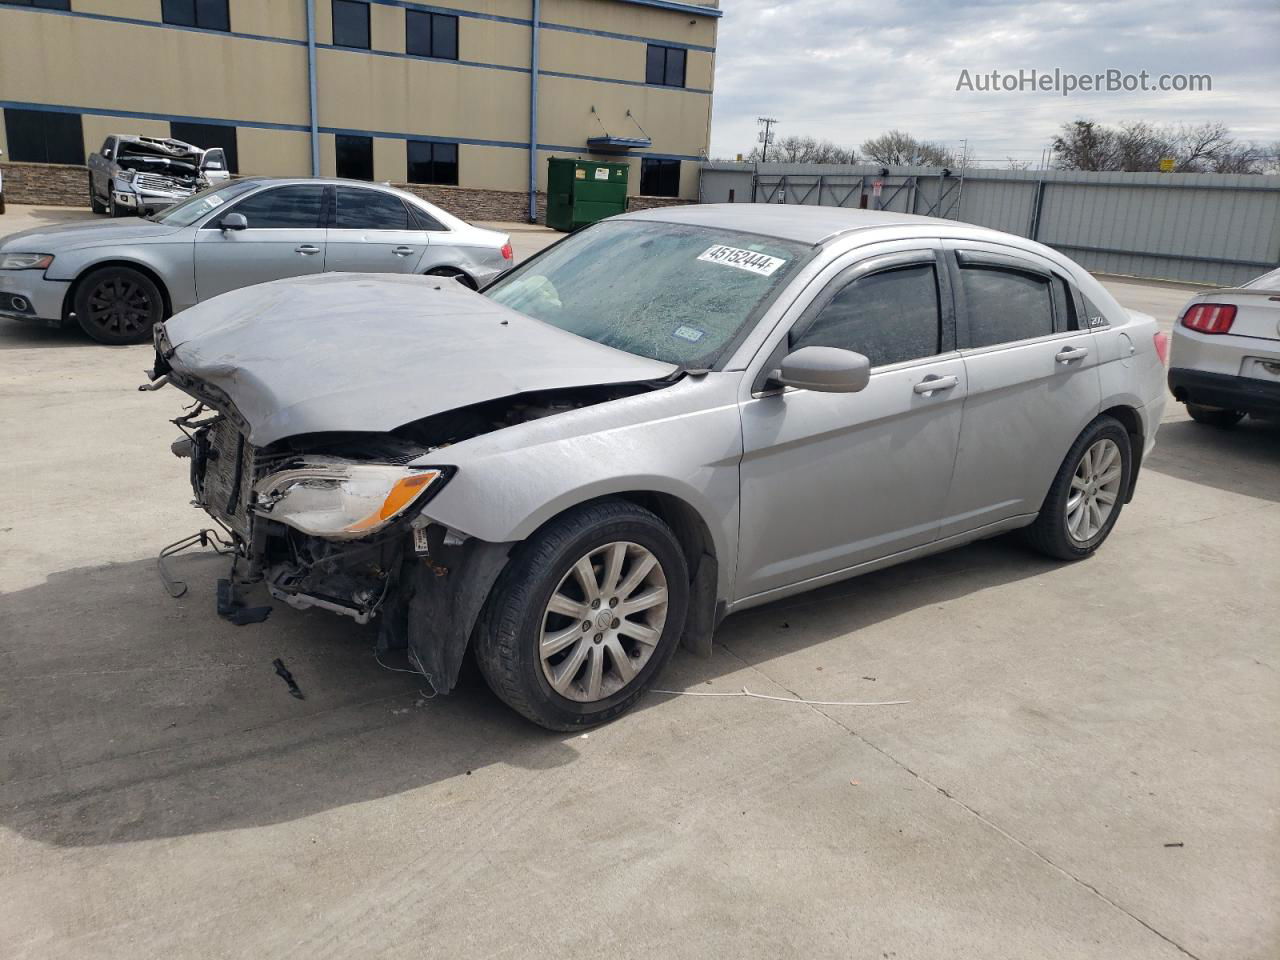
1049, 533
1214, 416
96, 205
508, 634
453, 274
118, 305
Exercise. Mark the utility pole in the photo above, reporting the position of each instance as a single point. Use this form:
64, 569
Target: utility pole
766, 135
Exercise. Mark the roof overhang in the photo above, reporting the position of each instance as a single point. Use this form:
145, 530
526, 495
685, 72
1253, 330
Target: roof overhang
608, 144
693, 8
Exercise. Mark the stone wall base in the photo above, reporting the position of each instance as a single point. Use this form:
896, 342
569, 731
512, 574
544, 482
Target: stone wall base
59, 185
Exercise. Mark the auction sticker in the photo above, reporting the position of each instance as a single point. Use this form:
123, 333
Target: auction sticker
748, 260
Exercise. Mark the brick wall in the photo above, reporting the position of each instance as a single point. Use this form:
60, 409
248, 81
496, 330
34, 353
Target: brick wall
511, 206
51, 184
67, 186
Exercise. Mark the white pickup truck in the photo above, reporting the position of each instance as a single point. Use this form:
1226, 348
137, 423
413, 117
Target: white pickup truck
140, 175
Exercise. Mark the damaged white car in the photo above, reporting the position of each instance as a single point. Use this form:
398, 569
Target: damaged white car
141, 175
663, 418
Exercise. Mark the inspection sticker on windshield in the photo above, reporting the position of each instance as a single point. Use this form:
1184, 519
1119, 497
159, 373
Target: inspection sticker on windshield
748, 260
214, 200
692, 334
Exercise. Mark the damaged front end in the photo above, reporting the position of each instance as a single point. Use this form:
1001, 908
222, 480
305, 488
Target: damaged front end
317, 454
335, 521
149, 175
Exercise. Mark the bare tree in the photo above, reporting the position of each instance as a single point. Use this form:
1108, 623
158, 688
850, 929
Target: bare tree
1143, 147
796, 149
1015, 164
900, 149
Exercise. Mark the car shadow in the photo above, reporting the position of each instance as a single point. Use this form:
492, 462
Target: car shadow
22, 335
127, 715
1241, 459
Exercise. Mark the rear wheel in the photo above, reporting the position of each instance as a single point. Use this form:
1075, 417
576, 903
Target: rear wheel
96, 205
453, 274
585, 615
117, 305
1214, 416
1087, 493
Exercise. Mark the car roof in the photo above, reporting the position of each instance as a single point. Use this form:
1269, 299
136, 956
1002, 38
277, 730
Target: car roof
807, 224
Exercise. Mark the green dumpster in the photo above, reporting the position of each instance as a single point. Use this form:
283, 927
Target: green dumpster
583, 191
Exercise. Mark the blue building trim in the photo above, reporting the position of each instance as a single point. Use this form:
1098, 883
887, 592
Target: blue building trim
406, 4
304, 128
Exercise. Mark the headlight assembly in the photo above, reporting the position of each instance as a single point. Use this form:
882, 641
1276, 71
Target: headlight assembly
341, 501
25, 261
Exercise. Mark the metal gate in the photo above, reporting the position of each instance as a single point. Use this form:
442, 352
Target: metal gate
936, 195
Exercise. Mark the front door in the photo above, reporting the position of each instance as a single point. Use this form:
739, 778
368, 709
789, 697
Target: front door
285, 238
371, 232
1033, 383
830, 480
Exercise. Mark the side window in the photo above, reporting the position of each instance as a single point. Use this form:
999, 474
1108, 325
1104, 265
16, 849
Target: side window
1006, 305
281, 208
889, 317
356, 209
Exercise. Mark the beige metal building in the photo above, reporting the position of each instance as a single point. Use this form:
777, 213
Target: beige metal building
465, 99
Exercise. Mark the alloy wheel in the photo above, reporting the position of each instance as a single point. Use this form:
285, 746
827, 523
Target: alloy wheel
120, 306
603, 622
1095, 490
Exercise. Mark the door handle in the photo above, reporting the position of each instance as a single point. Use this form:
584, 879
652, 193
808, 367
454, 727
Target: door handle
402, 251
1067, 354
933, 382
306, 249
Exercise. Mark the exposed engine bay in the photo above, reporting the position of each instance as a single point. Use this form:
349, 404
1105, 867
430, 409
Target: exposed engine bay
171, 160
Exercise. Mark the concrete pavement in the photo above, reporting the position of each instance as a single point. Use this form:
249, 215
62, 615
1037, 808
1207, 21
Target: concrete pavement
162, 795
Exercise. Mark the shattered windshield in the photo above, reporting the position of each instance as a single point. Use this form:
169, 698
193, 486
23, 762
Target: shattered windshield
672, 292
198, 204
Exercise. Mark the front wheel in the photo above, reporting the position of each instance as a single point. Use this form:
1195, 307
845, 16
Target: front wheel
118, 305
1214, 416
95, 205
585, 615
1087, 493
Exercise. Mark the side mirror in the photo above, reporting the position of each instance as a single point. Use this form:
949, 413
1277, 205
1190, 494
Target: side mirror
825, 370
234, 221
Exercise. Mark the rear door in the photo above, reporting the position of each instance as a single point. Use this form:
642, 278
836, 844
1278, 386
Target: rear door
1032, 368
832, 480
285, 238
372, 231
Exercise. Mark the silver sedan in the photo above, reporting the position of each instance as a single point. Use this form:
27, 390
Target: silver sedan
666, 417
118, 279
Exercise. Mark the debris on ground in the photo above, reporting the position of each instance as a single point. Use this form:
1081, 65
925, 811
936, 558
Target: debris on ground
283, 673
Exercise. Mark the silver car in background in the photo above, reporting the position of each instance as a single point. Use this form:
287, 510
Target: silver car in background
666, 417
1226, 353
117, 279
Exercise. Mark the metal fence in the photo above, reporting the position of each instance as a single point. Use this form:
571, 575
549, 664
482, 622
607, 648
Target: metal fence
1220, 229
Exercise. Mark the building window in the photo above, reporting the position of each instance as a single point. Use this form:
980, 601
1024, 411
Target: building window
433, 162
659, 178
39, 4
39, 137
206, 14
351, 24
355, 157
208, 136
431, 34
664, 66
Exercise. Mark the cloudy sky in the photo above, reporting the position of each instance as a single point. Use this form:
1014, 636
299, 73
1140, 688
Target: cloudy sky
847, 71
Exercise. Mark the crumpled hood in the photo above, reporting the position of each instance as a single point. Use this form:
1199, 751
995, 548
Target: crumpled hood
70, 236
372, 352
